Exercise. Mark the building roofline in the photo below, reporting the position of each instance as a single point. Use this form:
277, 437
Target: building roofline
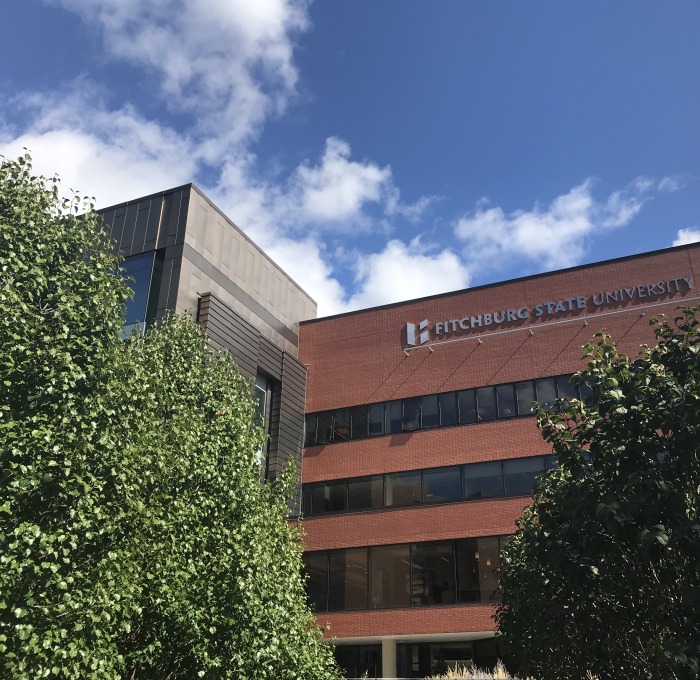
529, 277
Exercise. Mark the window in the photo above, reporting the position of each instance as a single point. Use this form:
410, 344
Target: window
390, 577
316, 566
442, 484
432, 574
520, 475
444, 409
347, 579
366, 493
402, 488
477, 562
483, 480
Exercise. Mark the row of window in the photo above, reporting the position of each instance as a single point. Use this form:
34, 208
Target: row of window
514, 477
407, 575
439, 410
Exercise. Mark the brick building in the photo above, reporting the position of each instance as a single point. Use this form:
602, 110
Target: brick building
421, 450
420, 446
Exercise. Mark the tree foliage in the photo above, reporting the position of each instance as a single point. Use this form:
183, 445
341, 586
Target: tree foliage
603, 574
136, 540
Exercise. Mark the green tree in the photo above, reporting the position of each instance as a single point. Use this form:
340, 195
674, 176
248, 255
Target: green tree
136, 540
603, 574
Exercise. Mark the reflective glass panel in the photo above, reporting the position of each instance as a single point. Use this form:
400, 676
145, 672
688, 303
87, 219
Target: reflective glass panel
520, 475
486, 403
467, 406
311, 422
525, 394
402, 488
393, 417
376, 419
483, 480
442, 484
366, 493
337, 499
140, 269
448, 408
411, 414
505, 395
316, 566
341, 425
390, 580
320, 498
430, 416
546, 392
467, 556
433, 574
324, 429
348, 579
360, 418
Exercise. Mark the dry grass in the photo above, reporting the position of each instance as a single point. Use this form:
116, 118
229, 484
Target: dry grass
499, 673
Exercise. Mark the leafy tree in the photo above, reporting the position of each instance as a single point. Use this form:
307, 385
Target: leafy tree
136, 540
603, 574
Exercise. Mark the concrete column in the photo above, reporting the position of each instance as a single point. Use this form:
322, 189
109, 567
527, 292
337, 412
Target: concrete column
388, 658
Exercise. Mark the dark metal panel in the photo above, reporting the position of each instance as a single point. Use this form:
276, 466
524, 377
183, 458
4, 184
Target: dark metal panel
150, 236
270, 358
127, 235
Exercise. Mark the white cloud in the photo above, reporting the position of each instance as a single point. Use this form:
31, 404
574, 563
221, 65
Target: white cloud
114, 155
403, 272
555, 236
228, 62
671, 184
686, 236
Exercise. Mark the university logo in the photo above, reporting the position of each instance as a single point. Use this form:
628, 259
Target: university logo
411, 333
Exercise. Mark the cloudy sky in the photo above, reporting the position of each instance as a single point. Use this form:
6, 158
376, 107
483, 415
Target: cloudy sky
378, 150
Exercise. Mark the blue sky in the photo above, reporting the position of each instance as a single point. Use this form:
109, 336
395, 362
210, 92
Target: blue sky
377, 150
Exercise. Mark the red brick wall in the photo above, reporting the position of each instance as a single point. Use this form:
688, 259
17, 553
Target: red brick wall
405, 525
415, 621
357, 358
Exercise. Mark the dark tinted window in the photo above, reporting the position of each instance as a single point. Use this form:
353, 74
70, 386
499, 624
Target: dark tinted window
389, 577
483, 480
486, 403
411, 414
402, 488
366, 493
337, 500
320, 498
140, 269
347, 583
565, 388
546, 392
360, 422
316, 566
341, 425
393, 417
376, 419
442, 484
525, 394
433, 574
467, 406
520, 475
311, 423
505, 395
430, 417
448, 408
324, 429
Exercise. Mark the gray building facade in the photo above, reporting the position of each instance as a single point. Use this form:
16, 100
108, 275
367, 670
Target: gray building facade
184, 255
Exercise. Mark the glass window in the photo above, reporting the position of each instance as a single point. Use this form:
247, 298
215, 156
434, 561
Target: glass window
393, 417
489, 551
525, 394
402, 488
360, 661
586, 392
306, 500
360, 418
546, 392
505, 396
486, 403
430, 416
324, 429
448, 408
366, 493
311, 423
390, 577
341, 425
520, 475
483, 480
433, 574
376, 419
565, 388
411, 414
467, 406
320, 499
140, 269
467, 557
442, 484
337, 496
551, 461
316, 567
347, 582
